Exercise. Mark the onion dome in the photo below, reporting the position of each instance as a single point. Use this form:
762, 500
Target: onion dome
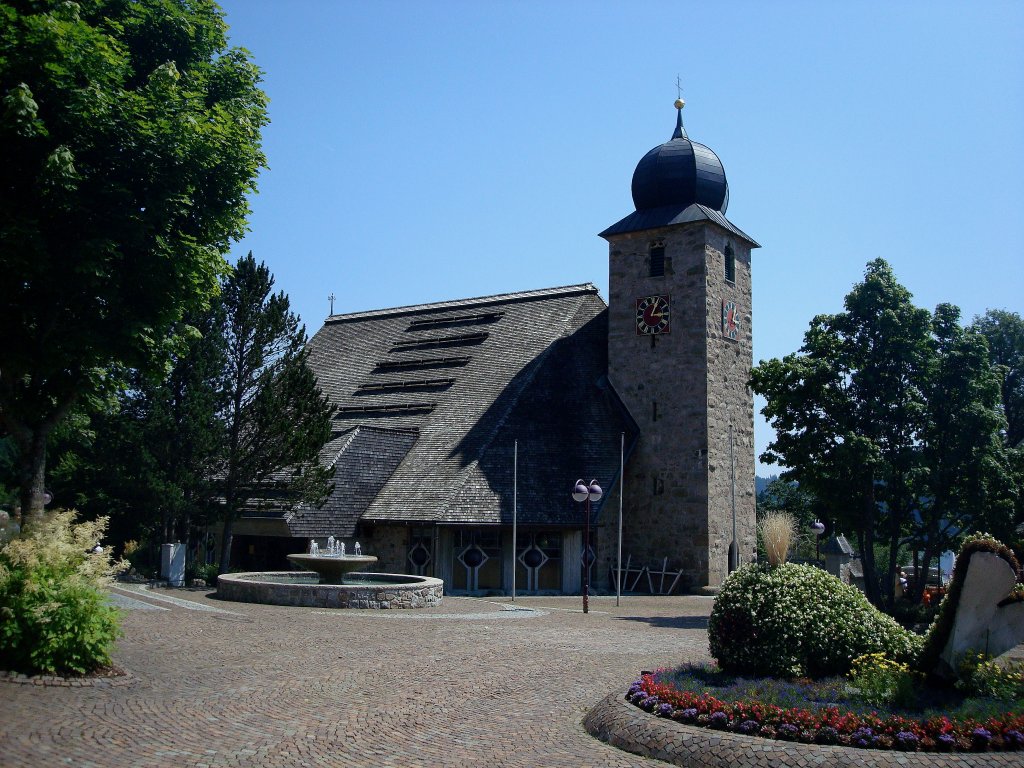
679, 173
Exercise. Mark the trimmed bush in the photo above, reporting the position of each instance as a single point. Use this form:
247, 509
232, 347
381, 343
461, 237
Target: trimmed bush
797, 620
54, 614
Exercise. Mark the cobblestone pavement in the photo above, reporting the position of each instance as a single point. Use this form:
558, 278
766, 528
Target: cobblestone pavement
469, 682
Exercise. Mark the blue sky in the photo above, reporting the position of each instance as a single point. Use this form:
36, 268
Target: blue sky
428, 151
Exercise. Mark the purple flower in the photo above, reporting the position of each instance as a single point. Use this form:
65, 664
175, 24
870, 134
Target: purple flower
906, 741
665, 709
946, 741
862, 737
749, 726
649, 703
1013, 740
980, 737
637, 697
718, 720
689, 714
787, 732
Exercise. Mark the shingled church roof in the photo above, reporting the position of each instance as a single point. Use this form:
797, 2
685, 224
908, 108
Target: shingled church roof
433, 397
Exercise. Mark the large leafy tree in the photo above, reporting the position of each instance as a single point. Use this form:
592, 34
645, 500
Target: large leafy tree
865, 415
845, 409
275, 417
129, 138
964, 480
1004, 332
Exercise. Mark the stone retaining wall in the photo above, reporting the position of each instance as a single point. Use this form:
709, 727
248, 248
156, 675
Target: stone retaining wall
628, 727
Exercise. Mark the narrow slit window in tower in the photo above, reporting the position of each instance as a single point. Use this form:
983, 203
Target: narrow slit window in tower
657, 260
730, 265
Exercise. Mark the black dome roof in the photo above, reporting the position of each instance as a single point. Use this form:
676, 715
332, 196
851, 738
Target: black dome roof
680, 172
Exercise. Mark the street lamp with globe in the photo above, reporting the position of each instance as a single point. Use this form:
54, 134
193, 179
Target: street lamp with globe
817, 528
586, 493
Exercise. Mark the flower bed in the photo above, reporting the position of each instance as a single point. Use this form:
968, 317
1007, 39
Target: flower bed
824, 723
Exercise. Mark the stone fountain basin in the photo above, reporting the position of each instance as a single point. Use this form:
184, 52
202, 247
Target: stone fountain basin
362, 590
332, 568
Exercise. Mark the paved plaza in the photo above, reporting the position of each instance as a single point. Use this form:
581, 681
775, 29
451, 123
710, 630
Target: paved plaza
471, 682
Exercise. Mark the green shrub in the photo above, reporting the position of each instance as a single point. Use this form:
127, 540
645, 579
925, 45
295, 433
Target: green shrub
882, 682
208, 573
796, 620
979, 675
54, 614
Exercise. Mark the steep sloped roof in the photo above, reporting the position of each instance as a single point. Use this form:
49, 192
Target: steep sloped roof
671, 215
454, 385
363, 459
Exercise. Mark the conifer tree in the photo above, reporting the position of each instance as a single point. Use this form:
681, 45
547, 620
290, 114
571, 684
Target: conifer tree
275, 418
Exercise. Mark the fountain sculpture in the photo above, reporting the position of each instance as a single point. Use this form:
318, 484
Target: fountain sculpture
333, 566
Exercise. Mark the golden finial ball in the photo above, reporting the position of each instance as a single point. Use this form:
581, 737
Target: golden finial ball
680, 103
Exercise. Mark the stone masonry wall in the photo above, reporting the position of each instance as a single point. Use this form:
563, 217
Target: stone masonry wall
730, 402
389, 544
683, 388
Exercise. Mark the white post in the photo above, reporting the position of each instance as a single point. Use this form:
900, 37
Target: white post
622, 481
515, 504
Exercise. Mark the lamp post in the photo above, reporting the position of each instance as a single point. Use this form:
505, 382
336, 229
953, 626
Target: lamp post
585, 493
817, 528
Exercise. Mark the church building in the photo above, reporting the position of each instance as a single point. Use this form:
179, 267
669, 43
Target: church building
465, 424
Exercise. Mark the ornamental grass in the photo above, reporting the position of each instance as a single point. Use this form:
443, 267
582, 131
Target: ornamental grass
777, 530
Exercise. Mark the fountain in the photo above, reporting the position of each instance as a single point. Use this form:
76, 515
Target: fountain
330, 580
333, 566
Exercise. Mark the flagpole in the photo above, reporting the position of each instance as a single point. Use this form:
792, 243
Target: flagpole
515, 504
622, 481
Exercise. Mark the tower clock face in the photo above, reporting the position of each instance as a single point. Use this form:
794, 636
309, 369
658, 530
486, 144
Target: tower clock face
653, 314
730, 319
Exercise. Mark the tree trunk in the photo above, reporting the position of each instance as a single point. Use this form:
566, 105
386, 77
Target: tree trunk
225, 544
31, 441
867, 548
32, 475
889, 590
926, 567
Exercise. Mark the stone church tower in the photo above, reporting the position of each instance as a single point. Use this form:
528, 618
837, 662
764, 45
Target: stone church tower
679, 356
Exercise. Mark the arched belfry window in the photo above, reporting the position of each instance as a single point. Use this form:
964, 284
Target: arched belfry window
656, 259
730, 264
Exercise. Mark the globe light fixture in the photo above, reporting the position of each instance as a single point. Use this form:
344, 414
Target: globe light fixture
585, 494
817, 528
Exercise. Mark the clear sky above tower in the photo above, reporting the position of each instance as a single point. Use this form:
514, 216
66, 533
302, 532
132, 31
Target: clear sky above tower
429, 151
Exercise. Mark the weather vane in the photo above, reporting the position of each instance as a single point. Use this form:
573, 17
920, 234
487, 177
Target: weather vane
679, 93
331, 299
